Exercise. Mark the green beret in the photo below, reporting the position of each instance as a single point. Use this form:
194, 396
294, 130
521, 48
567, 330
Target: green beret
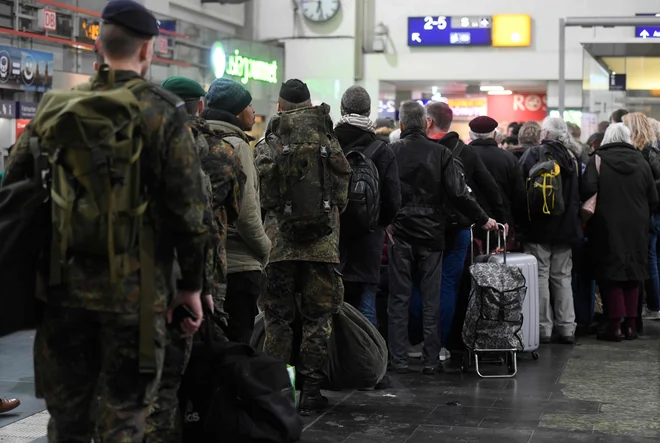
183, 87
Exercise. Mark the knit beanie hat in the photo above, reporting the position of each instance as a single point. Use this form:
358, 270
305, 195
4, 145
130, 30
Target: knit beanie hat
294, 91
228, 95
356, 100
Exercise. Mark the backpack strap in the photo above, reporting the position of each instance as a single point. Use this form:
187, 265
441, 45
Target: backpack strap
458, 148
325, 155
371, 150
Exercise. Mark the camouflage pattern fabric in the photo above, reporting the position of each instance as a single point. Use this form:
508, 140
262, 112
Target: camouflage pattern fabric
171, 168
164, 422
90, 336
321, 295
325, 249
73, 349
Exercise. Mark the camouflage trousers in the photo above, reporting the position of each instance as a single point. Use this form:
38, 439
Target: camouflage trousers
321, 294
87, 370
164, 422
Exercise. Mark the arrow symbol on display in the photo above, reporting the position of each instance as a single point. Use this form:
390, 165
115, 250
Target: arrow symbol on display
416, 37
644, 33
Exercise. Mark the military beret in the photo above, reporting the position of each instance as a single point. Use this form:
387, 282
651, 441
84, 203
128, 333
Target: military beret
294, 91
130, 15
483, 125
184, 87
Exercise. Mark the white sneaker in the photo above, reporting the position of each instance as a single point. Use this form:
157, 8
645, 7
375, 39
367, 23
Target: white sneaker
650, 315
415, 351
444, 354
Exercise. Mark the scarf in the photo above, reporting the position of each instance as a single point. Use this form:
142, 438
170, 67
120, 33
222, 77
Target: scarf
359, 121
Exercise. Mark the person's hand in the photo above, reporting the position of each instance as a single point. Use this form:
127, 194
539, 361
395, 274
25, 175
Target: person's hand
208, 300
491, 225
193, 300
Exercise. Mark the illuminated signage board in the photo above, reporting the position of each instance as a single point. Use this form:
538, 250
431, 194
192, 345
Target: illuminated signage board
245, 68
449, 31
647, 31
496, 30
88, 31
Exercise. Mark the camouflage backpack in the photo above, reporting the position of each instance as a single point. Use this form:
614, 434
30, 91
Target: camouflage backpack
93, 140
300, 185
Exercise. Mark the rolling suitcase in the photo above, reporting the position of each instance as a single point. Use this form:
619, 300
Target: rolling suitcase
523, 332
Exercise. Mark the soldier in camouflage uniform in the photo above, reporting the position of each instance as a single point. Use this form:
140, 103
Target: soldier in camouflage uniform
305, 268
87, 340
164, 422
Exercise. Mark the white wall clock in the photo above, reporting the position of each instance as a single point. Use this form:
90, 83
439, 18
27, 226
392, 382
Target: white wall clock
320, 10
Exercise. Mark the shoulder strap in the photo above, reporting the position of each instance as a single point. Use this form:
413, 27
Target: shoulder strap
597, 163
458, 148
374, 146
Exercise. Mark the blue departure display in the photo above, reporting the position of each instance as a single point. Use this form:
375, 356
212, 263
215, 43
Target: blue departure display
450, 31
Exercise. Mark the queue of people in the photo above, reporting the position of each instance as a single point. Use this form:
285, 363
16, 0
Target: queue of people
222, 231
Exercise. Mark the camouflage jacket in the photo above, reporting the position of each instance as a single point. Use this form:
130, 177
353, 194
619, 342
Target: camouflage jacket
226, 182
326, 249
171, 175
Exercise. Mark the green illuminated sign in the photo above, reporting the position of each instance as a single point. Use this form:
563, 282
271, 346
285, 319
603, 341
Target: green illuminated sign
245, 68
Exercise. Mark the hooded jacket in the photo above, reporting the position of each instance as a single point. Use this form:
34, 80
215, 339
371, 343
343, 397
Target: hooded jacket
619, 230
429, 179
248, 246
565, 228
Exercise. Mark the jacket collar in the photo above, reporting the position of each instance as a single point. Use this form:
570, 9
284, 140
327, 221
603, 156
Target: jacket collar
416, 133
484, 142
224, 122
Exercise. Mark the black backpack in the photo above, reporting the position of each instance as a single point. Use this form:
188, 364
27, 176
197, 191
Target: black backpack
363, 211
230, 392
453, 217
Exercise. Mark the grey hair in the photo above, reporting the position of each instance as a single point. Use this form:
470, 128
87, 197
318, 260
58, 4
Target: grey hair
555, 128
656, 127
475, 136
412, 115
395, 135
617, 133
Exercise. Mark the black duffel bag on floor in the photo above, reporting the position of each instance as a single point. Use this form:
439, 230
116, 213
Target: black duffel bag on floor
232, 393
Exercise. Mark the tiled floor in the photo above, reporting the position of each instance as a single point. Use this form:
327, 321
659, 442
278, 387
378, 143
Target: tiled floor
593, 392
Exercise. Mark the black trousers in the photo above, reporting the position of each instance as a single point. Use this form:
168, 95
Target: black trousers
243, 292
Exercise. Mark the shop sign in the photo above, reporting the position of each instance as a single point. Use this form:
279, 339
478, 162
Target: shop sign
27, 110
518, 107
242, 67
7, 109
25, 69
47, 20
468, 107
162, 45
20, 126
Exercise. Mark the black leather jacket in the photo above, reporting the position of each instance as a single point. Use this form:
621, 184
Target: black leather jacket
428, 179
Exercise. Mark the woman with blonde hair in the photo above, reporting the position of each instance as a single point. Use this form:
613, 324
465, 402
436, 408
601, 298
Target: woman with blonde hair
645, 138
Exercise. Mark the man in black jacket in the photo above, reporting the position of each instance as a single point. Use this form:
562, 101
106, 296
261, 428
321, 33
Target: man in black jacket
360, 254
428, 178
457, 230
502, 164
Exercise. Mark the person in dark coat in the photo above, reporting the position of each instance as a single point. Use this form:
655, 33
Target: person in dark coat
619, 229
551, 238
457, 229
503, 165
360, 255
384, 127
429, 178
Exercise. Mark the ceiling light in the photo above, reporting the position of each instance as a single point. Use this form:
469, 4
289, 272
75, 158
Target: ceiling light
491, 88
506, 92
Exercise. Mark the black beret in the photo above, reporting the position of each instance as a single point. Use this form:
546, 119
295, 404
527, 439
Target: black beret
483, 125
294, 91
131, 15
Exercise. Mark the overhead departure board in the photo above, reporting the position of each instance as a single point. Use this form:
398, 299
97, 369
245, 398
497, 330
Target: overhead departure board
470, 30
450, 31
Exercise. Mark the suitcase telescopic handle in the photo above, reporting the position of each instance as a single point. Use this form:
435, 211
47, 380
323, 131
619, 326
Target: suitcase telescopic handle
500, 227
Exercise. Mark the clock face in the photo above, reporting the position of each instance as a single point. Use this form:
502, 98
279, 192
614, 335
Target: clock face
320, 10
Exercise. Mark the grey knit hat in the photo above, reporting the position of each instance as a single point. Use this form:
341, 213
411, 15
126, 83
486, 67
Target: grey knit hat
356, 100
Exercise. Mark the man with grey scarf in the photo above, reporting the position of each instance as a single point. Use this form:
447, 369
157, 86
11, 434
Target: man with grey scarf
360, 255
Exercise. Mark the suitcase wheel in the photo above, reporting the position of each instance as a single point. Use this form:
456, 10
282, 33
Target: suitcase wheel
535, 355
